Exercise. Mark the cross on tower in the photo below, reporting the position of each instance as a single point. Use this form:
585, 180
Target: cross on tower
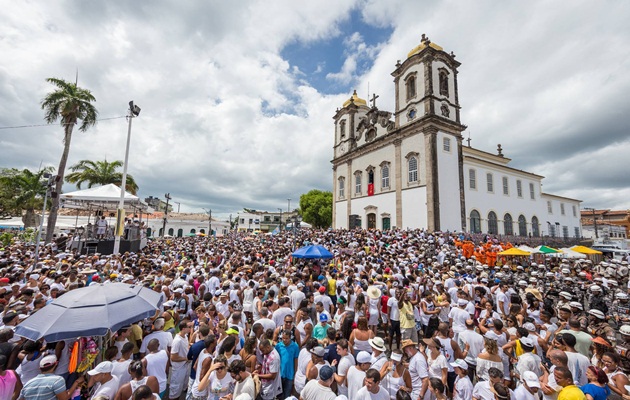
468, 140
373, 100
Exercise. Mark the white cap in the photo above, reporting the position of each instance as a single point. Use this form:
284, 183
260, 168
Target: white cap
47, 361
597, 314
527, 341
460, 364
529, 326
104, 367
364, 357
576, 304
596, 288
566, 294
169, 303
462, 302
531, 379
179, 290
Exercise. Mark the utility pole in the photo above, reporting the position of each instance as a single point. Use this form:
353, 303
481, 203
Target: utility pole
594, 221
52, 180
168, 197
280, 209
289, 206
178, 204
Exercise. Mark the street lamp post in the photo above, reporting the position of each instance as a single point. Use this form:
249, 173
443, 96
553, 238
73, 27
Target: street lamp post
134, 111
51, 181
168, 197
594, 220
178, 203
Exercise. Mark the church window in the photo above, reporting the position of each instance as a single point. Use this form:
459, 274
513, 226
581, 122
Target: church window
444, 82
577, 232
574, 210
472, 178
446, 143
342, 129
370, 175
410, 86
535, 228
522, 225
508, 228
370, 135
489, 182
506, 188
549, 207
342, 188
519, 188
532, 193
413, 169
475, 222
565, 232
385, 177
561, 208
493, 226
357, 183
386, 221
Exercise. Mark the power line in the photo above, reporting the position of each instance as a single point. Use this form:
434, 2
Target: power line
34, 126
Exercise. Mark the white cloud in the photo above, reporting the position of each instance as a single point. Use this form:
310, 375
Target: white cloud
226, 122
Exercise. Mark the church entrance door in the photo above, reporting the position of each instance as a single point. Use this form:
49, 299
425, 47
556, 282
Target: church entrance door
371, 221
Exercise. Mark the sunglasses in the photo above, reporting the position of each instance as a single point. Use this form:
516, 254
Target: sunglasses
220, 368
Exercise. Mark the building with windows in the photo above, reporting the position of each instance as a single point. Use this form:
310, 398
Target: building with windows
410, 169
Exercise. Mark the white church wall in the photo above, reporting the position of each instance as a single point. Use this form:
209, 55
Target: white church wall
383, 203
564, 213
341, 215
374, 159
420, 89
448, 172
414, 205
413, 144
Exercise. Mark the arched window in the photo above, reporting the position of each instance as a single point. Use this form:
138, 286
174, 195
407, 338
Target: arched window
342, 129
342, 187
413, 169
411, 87
508, 228
193, 231
357, 182
522, 225
475, 222
202, 231
385, 177
493, 226
444, 83
171, 231
535, 228
180, 232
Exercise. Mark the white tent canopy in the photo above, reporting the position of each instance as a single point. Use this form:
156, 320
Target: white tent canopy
104, 197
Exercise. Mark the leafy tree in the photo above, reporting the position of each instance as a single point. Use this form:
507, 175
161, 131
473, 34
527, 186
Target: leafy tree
23, 192
69, 104
100, 173
316, 208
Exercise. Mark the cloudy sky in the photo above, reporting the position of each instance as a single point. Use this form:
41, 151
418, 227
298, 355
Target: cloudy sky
237, 97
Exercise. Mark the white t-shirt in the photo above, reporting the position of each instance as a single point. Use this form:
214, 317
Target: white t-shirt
345, 363
463, 388
418, 369
180, 347
316, 391
121, 371
354, 379
436, 366
365, 394
521, 393
247, 386
108, 388
459, 316
476, 343
165, 339
394, 314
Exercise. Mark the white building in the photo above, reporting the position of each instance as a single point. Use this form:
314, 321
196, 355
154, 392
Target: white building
409, 168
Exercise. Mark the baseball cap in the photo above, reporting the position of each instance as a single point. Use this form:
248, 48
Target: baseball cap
460, 364
322, 289
231, 331
318, 351
323, 318
531, 379
48, 361
527, 342
102, 368
325, 373
362, 358
529, 326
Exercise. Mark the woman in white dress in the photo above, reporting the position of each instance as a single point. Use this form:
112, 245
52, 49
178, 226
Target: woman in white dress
248, 301
488, 358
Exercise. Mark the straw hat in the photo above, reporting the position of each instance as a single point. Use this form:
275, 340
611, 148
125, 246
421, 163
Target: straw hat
373, 292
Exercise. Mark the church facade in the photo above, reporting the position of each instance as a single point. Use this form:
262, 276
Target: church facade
411, 169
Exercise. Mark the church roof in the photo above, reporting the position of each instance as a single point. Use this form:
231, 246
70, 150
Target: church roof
356, 100
423, 45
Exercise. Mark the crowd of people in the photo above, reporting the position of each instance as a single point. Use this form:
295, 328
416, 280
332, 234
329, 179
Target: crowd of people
394, 315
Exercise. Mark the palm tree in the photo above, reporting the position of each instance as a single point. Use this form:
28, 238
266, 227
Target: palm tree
27, 190
99, 173
70, 104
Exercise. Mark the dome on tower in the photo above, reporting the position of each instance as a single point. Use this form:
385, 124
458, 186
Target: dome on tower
356, 100
424, 43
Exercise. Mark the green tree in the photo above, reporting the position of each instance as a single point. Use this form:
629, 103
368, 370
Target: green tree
100, 173
316, 208
69, 104
24, 191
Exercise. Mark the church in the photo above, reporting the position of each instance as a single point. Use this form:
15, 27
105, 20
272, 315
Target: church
410, 168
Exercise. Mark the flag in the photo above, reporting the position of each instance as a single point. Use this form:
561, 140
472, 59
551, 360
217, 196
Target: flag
275, 231
370, 189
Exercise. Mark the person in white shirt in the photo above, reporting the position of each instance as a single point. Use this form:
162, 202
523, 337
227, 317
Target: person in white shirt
372, 389
471, 343
155, 364
165, 339
393, 313
297, 296
319, 389
356, 374
458, 316
179, 360
463, 387
343, 366
418, 369
105, 384
529, 388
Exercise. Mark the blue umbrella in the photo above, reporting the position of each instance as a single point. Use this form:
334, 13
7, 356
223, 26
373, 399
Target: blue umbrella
314, 251
91, 311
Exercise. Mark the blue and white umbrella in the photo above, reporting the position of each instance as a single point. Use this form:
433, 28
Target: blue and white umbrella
91, 311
